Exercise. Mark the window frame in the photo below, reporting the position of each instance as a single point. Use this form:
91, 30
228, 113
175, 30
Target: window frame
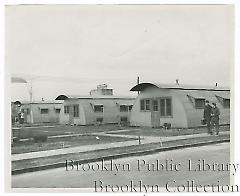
66, 109
165, 107
127, 107
149, 105
58, 109
98, 111
144, 101
203, 104
226, 106
154, 105
44, 109
76, 112
125, 110
223, 100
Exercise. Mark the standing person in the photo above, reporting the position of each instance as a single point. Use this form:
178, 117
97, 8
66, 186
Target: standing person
207, 116
21, 117
215, 117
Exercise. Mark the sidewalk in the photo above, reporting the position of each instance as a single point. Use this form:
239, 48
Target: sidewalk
86, 148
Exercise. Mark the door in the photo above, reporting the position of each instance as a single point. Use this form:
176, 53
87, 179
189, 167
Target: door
155, 113
71, 114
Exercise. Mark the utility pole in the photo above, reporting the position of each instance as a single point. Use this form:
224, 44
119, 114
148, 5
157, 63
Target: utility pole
31, 100
138, 82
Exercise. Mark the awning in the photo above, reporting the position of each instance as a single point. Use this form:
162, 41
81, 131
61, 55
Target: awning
196, 95
223, 96
125, 102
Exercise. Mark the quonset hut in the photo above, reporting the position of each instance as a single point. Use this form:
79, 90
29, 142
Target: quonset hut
98, 109
41, 111
180, 106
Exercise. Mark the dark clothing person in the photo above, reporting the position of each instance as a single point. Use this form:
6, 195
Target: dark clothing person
207, 116
21, 118
215, 118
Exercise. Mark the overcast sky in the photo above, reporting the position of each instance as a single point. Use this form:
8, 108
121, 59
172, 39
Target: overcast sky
75, 48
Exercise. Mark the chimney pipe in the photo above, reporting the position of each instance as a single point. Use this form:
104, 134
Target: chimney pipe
177, 81
138, 81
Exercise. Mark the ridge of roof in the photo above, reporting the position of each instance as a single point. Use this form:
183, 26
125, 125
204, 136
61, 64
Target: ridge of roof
63, 97
42, 102
142, 86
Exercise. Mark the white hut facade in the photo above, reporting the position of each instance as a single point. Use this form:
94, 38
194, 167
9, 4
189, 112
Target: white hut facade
180, 106
99, 109
42, 111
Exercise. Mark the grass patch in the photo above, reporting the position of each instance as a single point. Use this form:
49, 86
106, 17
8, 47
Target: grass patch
157, 132
30, 132
57, 143
106, 152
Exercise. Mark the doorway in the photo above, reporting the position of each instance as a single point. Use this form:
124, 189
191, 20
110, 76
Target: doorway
71, 114
155, 113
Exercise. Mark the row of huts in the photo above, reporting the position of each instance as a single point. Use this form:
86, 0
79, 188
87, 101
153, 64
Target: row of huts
36, 112
156, 105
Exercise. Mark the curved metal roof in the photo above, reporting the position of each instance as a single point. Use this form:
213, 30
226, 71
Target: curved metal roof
142, 86
63, 97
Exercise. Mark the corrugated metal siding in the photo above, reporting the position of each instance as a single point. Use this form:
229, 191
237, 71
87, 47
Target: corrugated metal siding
111, 113
142, 118
184, 112
194, 115
50, 117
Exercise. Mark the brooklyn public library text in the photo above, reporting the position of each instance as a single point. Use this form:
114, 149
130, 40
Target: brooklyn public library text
171, 186
200, 165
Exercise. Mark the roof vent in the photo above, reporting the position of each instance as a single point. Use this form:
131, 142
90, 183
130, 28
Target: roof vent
216, 84
177, 81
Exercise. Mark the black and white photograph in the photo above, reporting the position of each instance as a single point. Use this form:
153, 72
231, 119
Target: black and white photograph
121, 98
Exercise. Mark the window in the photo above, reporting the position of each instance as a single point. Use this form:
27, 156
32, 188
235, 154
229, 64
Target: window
98, 108
199, 103
123, 108
155, 105
165, 107
75, 110
57, 110
162, 107
145, 105
44, 111
226, 103
66, 109
169, 107
142, 105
